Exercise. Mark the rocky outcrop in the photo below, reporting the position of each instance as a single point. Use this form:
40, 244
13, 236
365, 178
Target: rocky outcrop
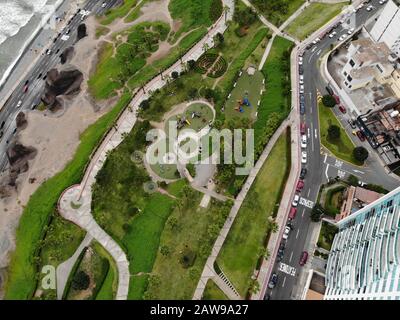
81, 32
18, 156
21, 121
66, 55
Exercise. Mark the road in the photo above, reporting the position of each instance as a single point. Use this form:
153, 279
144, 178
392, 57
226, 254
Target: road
35, 76
320, 165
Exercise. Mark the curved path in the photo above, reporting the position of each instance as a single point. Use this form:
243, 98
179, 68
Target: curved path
75, 202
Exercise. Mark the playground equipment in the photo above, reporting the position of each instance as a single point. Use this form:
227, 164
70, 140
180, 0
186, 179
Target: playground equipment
243, 102
196, 114
181, 122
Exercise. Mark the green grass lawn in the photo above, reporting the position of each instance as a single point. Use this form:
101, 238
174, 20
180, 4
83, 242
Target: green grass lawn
188, 228
326, 235
108, 288
342, 147
241, 250
117, 12
212, 292
313, 17
250, 84
36, 216
273, 11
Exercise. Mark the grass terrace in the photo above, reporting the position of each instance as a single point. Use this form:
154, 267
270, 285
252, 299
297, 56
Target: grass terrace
212, 292
277, 11
342, 147
313, 18
245, 242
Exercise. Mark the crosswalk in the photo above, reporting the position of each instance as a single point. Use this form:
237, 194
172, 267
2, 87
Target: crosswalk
285, 268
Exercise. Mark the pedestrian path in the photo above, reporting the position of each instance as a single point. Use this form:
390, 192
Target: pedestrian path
75, 202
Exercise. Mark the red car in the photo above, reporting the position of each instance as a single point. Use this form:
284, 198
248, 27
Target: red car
360, 135
292, 213
300, 185
336, 99
303, 128
303, 258
342, 109
26, 88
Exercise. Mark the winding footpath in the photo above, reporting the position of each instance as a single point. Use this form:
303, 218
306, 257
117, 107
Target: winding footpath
75, 202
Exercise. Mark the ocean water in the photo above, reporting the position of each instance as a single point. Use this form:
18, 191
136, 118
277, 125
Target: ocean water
20, 20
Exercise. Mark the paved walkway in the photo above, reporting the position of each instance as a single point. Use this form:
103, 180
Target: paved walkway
64, 269
75, 202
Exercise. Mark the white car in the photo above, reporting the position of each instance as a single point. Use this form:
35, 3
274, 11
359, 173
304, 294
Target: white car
286, 233
332, 34
295, 201
302, 88
304, 141
300, 60
316, 40
303, 157
382, 1
104, 4
370, 7
19, 103
342, 37
301, 79
350, 31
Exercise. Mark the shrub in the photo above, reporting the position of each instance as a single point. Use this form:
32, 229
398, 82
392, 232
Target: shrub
360, 154
352, 180
81, 281
316, 213
187, 257
328, 101
174, 75
333, 132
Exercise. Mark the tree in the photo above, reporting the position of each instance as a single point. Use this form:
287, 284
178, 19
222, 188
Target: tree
316, 213
165, 251
360, 154
80, 281
191, 64
333, 132
174, 74
328, 101
145, 104
192, 93
352, 180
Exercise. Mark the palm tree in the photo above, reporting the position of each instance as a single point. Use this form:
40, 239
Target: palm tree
205, 46
267, 254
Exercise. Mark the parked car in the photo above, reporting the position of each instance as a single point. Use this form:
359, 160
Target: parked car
329, 90
104, 4
303, 173
342, 37
360, 135
286, 233
303, 157
302, 88
273, 281
2, 125
301, 79
316, 40
303, 258
300, 60
304, 141
352, 123
382, 1
301, 70
295, 201
370, 8
300, 185
302, 99
39, 76
292, 213
302, 108
337, 99
342, 109
303, 128
350, 31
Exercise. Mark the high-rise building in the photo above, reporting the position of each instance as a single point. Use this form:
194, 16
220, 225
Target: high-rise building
387, 27
364, 262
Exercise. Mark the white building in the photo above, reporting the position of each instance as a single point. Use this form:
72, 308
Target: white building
387, 27
364, 262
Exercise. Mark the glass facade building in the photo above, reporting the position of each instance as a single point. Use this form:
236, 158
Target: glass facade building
364, 262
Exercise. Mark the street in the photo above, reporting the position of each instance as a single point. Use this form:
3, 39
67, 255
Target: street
320, 166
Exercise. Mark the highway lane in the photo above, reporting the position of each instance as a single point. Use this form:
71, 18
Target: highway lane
36, 83
288, 269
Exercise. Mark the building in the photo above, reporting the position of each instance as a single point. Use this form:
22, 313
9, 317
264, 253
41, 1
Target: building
315, 286
369, 62
364, 262
356, 198
386, 28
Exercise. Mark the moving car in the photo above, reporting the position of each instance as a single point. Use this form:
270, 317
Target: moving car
332, 34
48, 52
303, 173
19, 103
273, 281
303, 157
286, 233
370, 8
25, 88
300, 185
382, 1
295, 201
329, 90
1, 134
342, 109
292, 213
304, 141
303, 258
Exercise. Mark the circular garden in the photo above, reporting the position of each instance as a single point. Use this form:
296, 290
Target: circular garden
211, 64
